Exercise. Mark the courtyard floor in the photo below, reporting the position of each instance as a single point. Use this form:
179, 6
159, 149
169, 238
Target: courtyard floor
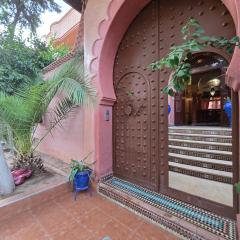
88, 218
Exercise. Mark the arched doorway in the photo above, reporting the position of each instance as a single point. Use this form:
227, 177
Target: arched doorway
202, 103
140, 134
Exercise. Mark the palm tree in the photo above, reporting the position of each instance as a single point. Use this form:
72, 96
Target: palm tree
70, 87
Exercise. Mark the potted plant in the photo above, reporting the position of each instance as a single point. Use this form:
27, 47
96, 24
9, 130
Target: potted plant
169, 109
80, 175
228, 109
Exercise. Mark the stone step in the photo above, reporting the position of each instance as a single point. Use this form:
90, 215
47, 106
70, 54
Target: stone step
201, 137
201, 153
202, 170
201, 144
197, 173
203, 163
201, 130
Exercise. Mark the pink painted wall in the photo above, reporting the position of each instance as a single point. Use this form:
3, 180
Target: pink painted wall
73, 139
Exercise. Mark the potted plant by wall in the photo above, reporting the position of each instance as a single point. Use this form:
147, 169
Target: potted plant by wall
228, 110
81, 175
169, 109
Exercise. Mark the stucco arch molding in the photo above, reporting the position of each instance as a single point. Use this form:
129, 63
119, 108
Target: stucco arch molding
120, 14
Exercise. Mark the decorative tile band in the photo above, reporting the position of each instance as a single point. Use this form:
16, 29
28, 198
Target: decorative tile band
220, 132
200, 138
149, 214
220, 167
190, 152
213, 223
208, 176
202, 145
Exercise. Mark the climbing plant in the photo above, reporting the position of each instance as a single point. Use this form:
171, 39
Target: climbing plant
178, 60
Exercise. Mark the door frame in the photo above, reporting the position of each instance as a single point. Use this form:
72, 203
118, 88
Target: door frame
103, 52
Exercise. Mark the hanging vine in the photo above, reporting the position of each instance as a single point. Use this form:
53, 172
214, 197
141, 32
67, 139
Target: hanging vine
178, 60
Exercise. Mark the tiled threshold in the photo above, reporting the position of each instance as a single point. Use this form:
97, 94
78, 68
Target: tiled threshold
184, 219
24, 201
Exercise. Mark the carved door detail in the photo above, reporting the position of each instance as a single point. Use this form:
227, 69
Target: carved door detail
135, 114
132, 128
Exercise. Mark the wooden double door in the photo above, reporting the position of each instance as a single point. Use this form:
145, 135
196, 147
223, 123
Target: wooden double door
140, 119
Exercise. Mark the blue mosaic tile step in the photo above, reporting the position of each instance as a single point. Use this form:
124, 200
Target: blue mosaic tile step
218, 225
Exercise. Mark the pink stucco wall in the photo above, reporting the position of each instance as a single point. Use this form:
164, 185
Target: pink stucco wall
73, 139
106, 21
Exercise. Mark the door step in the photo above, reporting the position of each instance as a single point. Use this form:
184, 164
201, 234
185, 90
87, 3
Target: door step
202, 153
201, 144
201, 137
201, 130
184, 219
201, 162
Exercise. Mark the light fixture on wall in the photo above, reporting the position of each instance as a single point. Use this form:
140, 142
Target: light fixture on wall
214, 82
212, 92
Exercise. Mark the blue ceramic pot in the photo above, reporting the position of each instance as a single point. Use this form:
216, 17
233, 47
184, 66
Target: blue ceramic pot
228, 110
81, 181
169, 109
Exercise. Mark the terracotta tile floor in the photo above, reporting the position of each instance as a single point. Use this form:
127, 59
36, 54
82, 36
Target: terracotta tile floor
89, 218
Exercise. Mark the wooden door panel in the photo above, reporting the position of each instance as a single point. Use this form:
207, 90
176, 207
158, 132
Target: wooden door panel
135, 114
132, 131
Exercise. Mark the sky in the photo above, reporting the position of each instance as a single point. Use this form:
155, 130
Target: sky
49, 17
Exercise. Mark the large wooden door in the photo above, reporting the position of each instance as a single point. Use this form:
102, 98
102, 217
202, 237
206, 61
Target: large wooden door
140, 119
135, 114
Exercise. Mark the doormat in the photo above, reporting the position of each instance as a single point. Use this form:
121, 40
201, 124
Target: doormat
220, 226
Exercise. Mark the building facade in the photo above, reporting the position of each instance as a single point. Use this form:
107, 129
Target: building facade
65, 31
131, 135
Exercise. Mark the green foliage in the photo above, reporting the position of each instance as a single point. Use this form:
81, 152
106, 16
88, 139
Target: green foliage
24, 14
24, 110
179, 58
49, 52
22, 60
80, 166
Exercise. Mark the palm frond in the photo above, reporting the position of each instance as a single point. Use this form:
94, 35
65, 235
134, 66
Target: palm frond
17, 116
72, 81
74, 89
25, 108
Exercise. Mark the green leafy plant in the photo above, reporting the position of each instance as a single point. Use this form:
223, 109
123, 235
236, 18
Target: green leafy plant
25, 14
178, 60
69, 87
80, 166
21, 60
